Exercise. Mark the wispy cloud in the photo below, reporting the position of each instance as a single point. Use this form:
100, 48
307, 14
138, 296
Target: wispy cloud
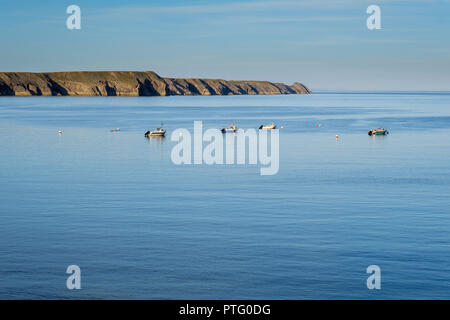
209, 8
240, 6
347, 41
281, 19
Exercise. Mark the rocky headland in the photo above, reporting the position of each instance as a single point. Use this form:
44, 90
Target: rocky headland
132, 83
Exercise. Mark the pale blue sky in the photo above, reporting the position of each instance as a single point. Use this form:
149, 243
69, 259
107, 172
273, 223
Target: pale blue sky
322, 43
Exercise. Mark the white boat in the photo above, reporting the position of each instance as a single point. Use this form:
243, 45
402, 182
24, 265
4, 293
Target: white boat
232, 128
270, 126
158, 132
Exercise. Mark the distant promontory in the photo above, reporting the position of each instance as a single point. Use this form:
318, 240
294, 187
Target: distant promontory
131, 83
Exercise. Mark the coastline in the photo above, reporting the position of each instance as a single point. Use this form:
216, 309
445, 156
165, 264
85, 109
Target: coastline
133, 84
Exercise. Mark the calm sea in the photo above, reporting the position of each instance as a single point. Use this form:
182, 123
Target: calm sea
139, 226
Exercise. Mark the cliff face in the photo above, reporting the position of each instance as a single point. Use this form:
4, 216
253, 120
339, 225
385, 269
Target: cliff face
130, 83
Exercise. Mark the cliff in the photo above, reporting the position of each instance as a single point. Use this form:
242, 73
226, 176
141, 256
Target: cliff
131, 83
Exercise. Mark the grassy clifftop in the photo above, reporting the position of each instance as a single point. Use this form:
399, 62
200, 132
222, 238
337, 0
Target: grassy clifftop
131, 83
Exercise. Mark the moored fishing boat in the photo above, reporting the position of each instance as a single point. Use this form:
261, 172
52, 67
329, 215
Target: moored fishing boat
270, 126
232, 128
378, 132
158, 132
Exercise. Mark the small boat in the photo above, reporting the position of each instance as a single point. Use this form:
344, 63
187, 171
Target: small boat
270, 126
378, 132
232, 128
158, 132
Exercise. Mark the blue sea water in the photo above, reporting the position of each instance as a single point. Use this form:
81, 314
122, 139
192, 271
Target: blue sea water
140, 226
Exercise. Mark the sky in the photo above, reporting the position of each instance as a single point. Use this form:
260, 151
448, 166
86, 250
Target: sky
324, 44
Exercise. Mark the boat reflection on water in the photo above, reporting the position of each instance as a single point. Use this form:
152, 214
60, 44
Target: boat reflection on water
159, 139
